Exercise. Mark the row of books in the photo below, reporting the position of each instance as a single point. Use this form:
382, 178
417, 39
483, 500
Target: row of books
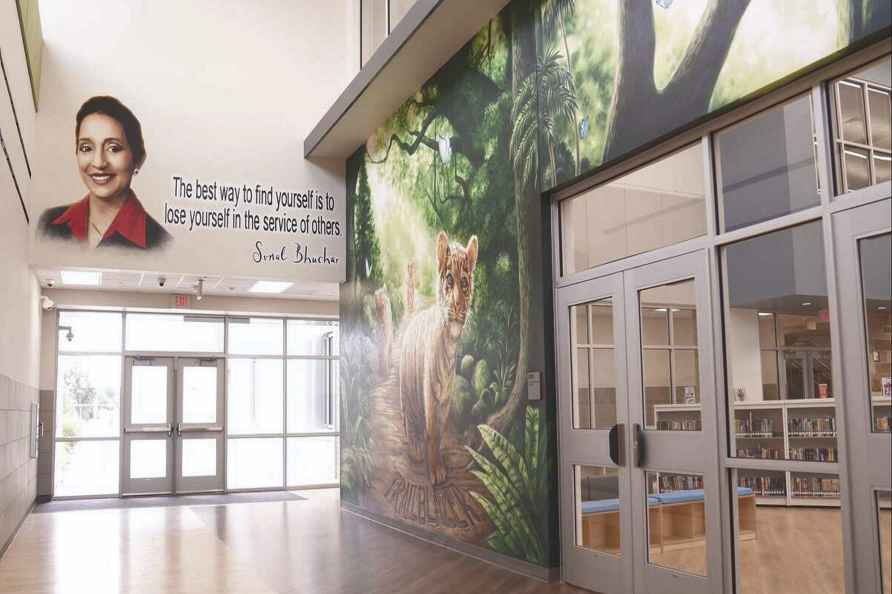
814, 454
814, 486
751, 425
882, 423
679, 482
812, 424
682, 425
764, 453
765, 486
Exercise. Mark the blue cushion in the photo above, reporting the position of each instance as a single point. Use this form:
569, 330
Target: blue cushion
610, 505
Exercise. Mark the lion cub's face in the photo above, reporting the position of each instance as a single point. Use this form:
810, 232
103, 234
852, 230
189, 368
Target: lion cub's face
455, 266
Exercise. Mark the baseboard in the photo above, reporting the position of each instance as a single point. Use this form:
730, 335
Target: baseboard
17, 528
544, 574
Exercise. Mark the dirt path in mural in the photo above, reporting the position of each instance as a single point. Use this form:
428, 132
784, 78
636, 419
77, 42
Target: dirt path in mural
402, 489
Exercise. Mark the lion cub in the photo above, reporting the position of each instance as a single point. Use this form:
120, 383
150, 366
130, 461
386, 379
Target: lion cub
427, 354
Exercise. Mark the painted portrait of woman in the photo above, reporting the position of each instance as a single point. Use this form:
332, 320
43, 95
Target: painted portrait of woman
110, 151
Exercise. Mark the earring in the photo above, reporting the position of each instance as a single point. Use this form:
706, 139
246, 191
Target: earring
135, 171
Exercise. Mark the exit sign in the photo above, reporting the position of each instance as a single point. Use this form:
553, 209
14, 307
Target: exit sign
182, 300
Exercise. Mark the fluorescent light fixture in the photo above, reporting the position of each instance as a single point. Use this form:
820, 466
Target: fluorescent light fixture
806, 303
81, 277
765, 314
661, 309
269, 287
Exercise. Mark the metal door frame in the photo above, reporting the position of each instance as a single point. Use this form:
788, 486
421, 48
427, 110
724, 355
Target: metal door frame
216, 430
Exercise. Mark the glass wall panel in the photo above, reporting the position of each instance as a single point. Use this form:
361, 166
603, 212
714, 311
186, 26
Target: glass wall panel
766, 165
312, 395
313, 337
168, 332
778, 346
88, 396
312, 461
875, 254
597, 509
199, 394
784, 549
255, 336
254, 463
200, 457
254, 396
658, 205
676, 521
90, 331
862, 127
148, 394
86, 468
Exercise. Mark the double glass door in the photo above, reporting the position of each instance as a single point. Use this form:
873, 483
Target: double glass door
640, 502
173, 425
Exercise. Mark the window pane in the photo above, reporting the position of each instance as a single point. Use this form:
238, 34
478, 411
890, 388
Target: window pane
148, 458
602, 322
882, 167
658, 205
767, 165
857, 165
880, 119
255, 395
785, 549
398, 9
579, 319
779, 276
312, 395
254, 463
655, 326
86, 468
685, 377
876, 286
255, 336
676, 521
657, 385
89, 331
200, 394
598, 509
684, 327
373, 26
148, 394
312, 461
166, 332
582, 388
604, 387
199, 457
853, 120
312, 337
89, 391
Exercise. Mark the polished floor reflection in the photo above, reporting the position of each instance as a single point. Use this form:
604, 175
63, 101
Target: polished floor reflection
280, 547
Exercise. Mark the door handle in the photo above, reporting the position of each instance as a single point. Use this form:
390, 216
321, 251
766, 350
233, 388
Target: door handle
616, 443
638, 449
182, 429
166, 429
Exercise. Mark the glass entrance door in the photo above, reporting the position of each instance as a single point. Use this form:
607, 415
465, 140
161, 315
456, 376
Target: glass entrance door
638, 431
173, 426
147, 460
863, 245
199, 430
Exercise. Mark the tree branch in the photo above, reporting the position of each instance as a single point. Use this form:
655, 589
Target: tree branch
410, 148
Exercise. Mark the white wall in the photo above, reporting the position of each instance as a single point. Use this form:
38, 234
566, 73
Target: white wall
19, 291
225, 90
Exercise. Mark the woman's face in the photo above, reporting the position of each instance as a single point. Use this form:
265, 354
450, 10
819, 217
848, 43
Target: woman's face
104, 156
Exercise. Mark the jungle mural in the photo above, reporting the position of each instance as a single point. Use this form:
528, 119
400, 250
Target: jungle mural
436, 430
616, 75
447, 285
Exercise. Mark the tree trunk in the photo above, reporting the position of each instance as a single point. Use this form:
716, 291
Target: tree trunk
523, 61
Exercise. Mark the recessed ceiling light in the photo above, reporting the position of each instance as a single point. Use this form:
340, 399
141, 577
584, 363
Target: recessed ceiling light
83, 278
806, 303
882, 308
269, 287
765, 314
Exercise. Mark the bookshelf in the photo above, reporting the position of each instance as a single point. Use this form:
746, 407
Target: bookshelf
788, 430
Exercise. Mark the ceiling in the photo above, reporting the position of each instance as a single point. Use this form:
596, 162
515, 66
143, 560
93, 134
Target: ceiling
150, 282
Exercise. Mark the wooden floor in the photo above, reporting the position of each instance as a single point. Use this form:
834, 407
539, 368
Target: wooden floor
283, 547
310, 546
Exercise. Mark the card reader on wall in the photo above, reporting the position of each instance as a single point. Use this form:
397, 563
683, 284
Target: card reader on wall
534, 385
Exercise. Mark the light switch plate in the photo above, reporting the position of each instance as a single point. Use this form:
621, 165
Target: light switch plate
534, 385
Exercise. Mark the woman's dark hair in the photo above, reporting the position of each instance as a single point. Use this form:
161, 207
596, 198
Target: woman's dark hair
118, 111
